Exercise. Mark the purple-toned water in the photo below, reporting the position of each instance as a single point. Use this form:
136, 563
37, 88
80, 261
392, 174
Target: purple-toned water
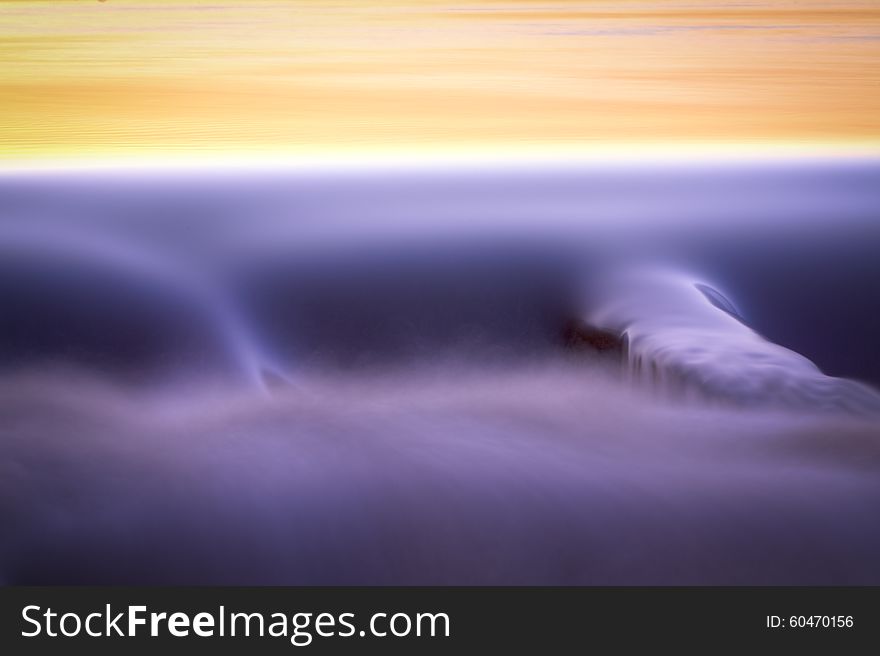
565, 374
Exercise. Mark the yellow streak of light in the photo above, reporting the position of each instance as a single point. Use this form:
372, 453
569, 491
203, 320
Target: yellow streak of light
136, 78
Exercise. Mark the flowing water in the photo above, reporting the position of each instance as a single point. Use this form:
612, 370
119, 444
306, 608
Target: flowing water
559, 374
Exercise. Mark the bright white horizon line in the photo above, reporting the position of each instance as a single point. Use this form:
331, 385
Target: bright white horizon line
511, 158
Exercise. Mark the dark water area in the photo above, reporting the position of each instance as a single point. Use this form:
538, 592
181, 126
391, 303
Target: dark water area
559, 374
794, 244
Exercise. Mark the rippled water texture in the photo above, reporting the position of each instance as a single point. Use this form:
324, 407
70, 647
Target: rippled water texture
575, 373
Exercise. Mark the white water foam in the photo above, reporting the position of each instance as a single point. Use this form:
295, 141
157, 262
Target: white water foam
686, 339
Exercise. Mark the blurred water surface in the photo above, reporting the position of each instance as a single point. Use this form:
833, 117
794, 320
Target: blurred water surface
371, 376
